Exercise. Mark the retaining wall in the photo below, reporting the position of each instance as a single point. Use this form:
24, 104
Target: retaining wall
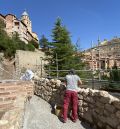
99, 108
13, 95
29, 60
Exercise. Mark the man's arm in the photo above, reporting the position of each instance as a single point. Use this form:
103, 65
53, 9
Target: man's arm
79, 82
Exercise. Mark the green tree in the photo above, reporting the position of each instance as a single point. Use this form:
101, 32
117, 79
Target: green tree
115, 73
62, 51
43, 42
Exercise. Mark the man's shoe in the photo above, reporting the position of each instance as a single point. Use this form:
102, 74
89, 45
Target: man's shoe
74, 121
62, 120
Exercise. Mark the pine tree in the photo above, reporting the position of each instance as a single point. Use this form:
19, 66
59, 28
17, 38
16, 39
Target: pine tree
43, 42
62, 52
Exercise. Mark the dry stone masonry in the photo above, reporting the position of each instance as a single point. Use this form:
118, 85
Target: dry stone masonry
50, 90
99, 108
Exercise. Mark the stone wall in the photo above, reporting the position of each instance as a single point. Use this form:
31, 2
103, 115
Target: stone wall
99, 108
50, 90
13, 95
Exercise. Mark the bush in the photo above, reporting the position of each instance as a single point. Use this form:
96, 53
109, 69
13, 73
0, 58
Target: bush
115, 75
30, 47
10, 45
35, 44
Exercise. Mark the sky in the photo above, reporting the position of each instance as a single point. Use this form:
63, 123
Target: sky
86, 20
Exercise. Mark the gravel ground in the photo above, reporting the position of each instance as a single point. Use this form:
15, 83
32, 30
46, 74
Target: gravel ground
38, 116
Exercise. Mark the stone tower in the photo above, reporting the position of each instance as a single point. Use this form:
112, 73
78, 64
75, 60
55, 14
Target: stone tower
26, 20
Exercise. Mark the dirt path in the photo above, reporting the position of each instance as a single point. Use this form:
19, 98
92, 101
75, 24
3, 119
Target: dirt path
38, 116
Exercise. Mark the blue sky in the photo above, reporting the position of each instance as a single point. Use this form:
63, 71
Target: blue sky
85, 19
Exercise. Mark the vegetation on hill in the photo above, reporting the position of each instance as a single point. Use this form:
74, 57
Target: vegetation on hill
9, 45
113, 78
33, 43
62, 54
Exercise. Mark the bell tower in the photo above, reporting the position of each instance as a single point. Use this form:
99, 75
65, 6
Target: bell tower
26, 20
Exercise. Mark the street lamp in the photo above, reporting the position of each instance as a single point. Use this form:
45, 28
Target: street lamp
99, 63
41, 58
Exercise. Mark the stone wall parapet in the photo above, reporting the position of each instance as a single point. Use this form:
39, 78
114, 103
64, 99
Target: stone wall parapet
99, 108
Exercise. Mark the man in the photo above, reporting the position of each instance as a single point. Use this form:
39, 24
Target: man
72, 83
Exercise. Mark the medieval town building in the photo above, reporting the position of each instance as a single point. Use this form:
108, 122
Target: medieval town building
103, 56
21, 26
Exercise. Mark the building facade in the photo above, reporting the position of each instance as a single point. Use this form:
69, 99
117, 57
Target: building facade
22, 26
103, 56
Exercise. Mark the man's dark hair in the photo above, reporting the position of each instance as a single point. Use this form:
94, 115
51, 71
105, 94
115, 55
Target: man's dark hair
72, 71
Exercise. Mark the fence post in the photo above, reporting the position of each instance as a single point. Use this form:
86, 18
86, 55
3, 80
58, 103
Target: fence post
57, 65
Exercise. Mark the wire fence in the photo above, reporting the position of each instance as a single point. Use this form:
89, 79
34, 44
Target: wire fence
97, 79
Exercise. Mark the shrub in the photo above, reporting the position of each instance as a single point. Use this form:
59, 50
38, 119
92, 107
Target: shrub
35, 44
30, 47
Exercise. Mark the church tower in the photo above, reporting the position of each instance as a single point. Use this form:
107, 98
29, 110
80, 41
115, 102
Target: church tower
26, 20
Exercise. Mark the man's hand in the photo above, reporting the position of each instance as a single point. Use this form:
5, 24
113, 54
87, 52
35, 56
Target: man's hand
64, 84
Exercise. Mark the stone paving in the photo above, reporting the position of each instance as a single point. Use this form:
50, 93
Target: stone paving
38, 116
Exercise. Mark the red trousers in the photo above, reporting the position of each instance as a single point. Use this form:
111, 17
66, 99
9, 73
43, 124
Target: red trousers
70, 96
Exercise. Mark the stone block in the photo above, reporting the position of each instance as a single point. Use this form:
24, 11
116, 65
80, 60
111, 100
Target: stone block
112, 121
99, 111
99, 105
81, 109
105, 100
118, 127
110, 108
102, 118
116, 103
103, 94
80, 103
85, 104
108, 127
100, 124
106, 113
118, 114
95, 115
88, 117
89, 99
80, 97
91, 106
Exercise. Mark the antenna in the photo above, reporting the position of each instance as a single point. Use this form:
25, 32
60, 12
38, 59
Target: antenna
98, 40
78, 44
